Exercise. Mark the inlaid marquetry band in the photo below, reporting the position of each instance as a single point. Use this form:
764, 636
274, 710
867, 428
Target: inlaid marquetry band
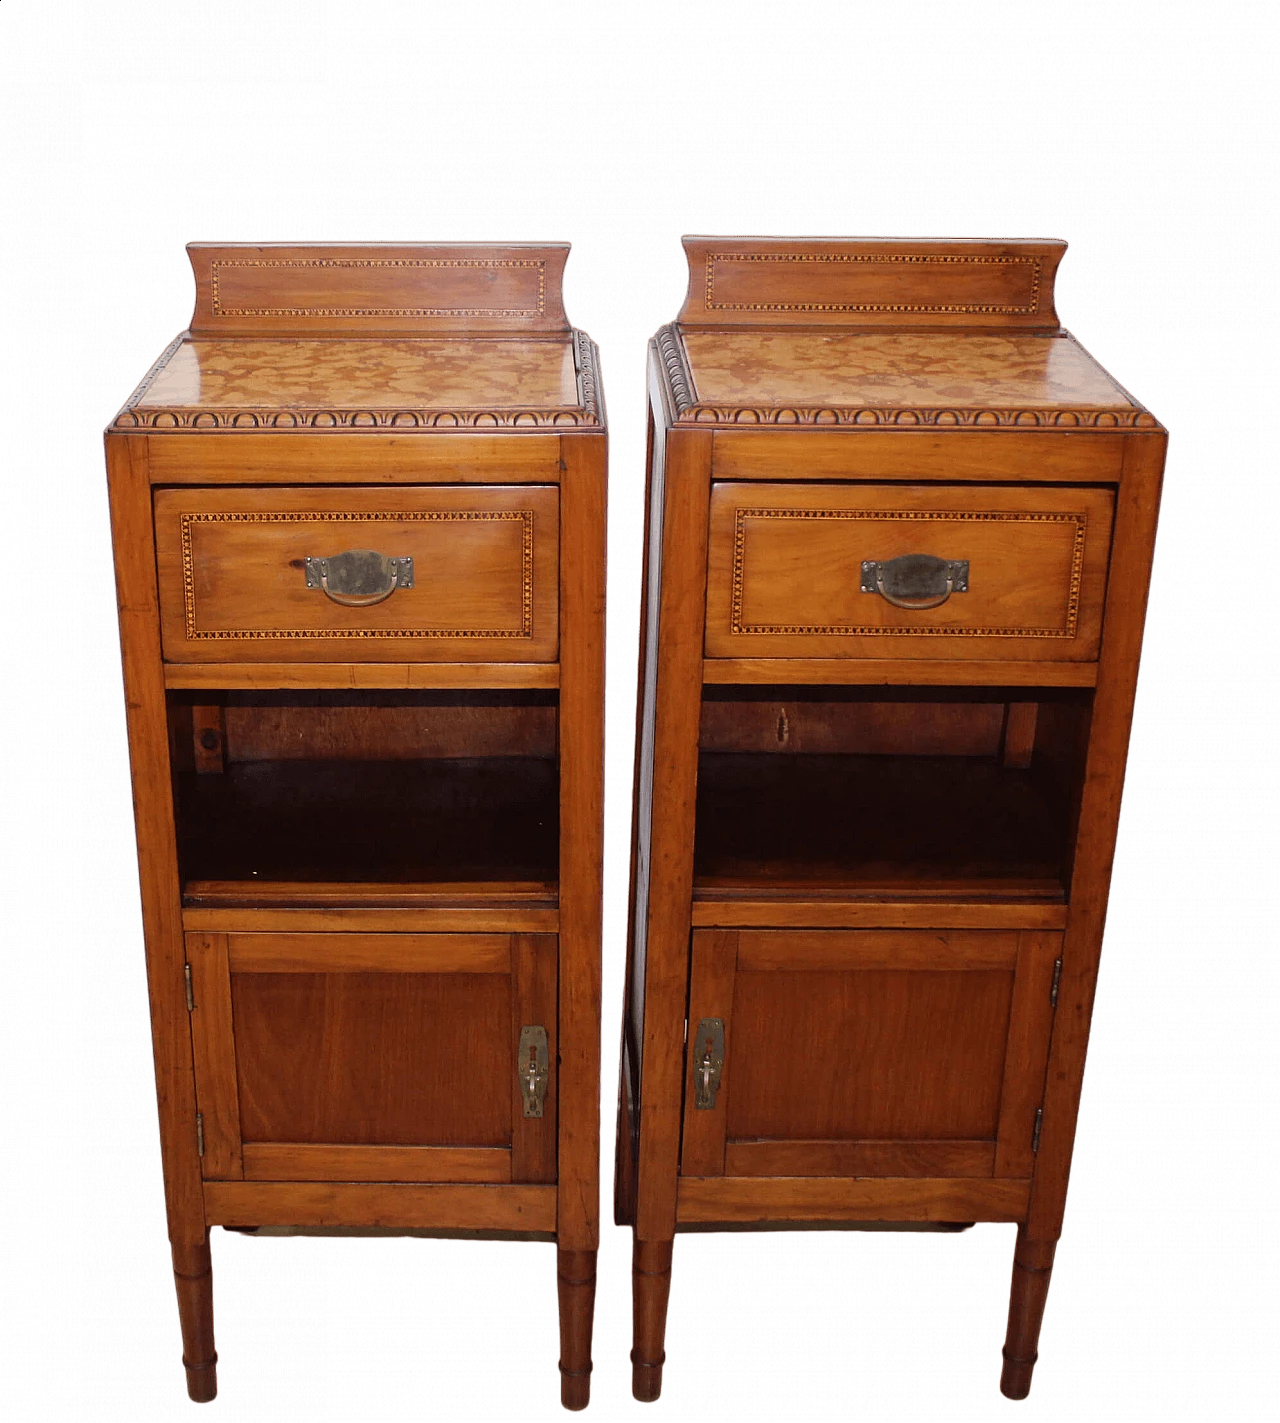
879, 259
741, 516
911, 417
524, 517
538, 308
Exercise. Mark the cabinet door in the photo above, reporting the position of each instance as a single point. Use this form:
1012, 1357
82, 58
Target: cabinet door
372, 1057
867, 1053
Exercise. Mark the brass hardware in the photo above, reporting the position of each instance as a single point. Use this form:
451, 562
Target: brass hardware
1057, 979
186, 974
359, 578
533, 1067
708, 1063
1035, 1134
916, 581
200, 1133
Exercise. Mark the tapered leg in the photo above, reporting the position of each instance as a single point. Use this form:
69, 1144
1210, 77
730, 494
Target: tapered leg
193, 1275
1032, 1267
576, 1285
651, 1288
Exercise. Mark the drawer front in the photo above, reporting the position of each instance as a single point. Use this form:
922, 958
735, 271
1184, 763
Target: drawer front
235, 585
787, 565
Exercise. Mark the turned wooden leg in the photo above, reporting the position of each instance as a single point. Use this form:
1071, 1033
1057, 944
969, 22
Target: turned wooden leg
576, 1286
193, 1276
1032, 1266
651, 1288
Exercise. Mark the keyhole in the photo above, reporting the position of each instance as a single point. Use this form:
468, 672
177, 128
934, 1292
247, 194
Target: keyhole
784, 727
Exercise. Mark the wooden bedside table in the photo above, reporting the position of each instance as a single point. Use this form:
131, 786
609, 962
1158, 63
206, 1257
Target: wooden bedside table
898, 543
359, 523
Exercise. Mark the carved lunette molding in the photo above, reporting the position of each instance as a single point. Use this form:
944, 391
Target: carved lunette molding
690, 411
158, 419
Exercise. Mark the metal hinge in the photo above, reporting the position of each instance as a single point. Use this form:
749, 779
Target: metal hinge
708, 1063
1057, 979
191, 1002
200, 1133
533, 1067
1035, 1131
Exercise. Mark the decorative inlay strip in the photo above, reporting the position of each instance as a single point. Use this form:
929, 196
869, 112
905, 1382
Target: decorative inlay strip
675, 362
156, 367
492, 263
909, 416
269, 418
881, 259
524, 516
586, 355
909, 515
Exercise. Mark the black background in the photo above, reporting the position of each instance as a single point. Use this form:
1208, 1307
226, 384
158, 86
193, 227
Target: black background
775, 1325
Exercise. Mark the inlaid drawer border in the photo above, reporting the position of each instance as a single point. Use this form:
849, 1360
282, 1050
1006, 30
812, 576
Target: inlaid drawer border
419, 516
927, 515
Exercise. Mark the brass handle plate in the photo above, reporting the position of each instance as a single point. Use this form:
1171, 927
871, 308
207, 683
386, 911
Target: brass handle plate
916, 581
359, 578
708, 1063
533, 1067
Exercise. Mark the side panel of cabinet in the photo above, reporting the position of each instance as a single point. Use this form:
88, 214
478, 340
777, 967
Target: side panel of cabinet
869, 1053
371, 1057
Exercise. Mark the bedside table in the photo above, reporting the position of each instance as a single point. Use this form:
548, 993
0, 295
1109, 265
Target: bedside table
899, 536
359, 522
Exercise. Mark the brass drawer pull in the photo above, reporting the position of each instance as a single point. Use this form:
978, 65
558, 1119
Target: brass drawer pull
916, 581
359, 578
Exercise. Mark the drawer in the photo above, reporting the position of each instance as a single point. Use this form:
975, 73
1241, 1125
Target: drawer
1009, 572
236, 585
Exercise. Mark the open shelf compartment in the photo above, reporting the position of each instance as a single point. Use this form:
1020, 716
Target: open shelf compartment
909, 793
323, 798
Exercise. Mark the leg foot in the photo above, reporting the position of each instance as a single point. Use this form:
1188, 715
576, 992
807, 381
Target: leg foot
576, 1287
1032, 1267
193, 1276
651, 1288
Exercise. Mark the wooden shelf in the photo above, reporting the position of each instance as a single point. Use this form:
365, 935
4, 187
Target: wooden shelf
369, 833
905, 828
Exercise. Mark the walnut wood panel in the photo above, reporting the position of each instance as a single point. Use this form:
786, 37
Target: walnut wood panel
533, 1003
798, 725
988, 456
377, 1059
900, 380
748, 1200
673, 700
713, 968
283, 289
423, 914
377, 731
784, 574
293, 1161
858, 1158
583, 522
873, 950
1030, 1026
233, 579
389, 676
899, 1053
530, 1209
135, 567
750, 910
369, 953
847, 281
369, 456
213, 1046
895, 672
